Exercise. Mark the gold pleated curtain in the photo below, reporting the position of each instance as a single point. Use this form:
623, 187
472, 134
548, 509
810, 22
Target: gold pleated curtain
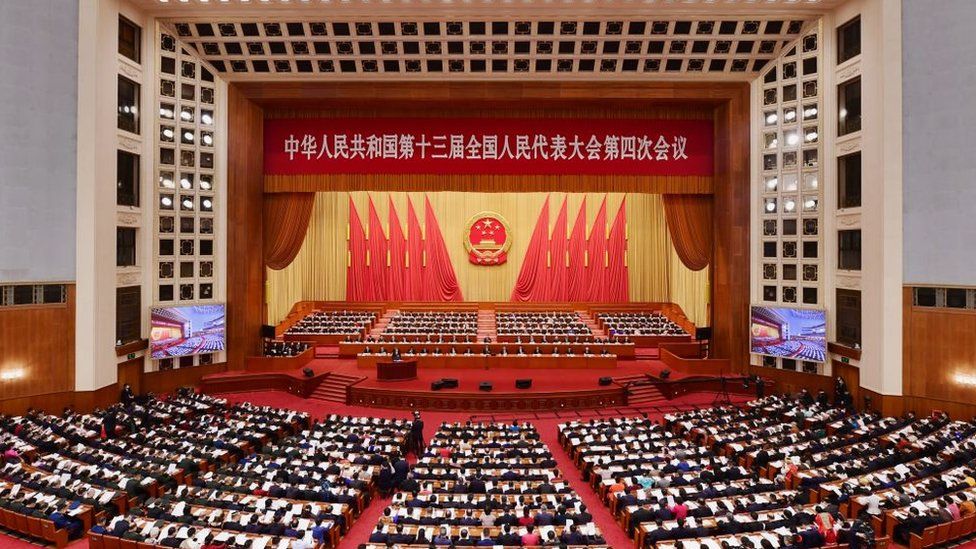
318, 271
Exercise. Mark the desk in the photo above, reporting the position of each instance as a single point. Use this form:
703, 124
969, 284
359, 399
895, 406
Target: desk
396, 371
495, 361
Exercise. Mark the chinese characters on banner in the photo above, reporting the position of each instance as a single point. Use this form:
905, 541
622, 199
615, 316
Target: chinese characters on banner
488, 146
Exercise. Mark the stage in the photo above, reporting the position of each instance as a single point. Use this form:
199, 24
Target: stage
635, 384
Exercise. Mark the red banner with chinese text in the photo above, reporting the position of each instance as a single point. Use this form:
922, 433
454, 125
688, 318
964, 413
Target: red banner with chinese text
511, 146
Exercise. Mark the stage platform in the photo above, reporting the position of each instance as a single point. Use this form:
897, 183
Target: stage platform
343, 379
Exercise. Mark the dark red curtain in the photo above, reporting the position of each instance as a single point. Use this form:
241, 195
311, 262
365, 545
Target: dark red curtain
530, 285
617, 280
358, 285
596, 255
378, 263
414, 261
286, 217
556, 290
689, 218
576, 272
440, 282
397, 271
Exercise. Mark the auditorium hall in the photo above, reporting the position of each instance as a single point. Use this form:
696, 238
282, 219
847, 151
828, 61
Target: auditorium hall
418, 274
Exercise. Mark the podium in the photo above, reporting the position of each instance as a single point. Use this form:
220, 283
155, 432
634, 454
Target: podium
396, 371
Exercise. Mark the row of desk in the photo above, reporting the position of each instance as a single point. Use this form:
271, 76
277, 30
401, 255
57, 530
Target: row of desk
564, 362
618, 350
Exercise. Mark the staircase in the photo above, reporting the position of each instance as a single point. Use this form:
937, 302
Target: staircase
591, 322
380, 326
641, 395
333, 388
487, 326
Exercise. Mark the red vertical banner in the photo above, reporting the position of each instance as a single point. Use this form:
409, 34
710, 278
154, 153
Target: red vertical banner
617, 276
378, 263
358, 285
558, 258
415, 258
596, 256
397, 271
532, 278
576, 272
440, 282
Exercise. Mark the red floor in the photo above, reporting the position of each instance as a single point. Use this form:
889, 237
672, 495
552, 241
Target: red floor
543, 380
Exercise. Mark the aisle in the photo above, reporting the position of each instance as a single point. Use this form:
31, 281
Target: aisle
612, 532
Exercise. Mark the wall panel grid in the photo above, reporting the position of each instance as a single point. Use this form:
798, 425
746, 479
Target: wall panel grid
185, 198
791, 256
723, 48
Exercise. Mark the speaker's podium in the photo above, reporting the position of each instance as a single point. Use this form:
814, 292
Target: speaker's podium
396, 370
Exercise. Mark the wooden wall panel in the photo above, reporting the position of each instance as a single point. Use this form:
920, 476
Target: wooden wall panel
130, 372
39, 342
852, 378
788, 381
730, 252
55, 403
167, 381
245, 229
939, 356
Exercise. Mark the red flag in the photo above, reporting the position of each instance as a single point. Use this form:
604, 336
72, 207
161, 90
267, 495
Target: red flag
532, 278
398, 248
558, 257
596, 249
378, 260
358, 286
576, 273
617, 276
414, 282
440, 282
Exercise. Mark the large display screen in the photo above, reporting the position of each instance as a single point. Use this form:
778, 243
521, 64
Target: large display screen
191, 330
786, 332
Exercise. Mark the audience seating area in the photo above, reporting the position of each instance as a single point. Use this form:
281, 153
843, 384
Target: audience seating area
433, 323
639, 324
486, 484
781, 473
191, 467
342, 323
549, 323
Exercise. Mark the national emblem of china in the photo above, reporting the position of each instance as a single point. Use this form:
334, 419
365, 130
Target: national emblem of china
486, 239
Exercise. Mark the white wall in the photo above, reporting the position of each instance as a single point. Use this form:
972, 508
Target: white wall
38, 110
939, 63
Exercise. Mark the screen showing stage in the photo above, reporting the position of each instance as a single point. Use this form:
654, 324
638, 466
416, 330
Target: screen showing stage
799, 334
181, 331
